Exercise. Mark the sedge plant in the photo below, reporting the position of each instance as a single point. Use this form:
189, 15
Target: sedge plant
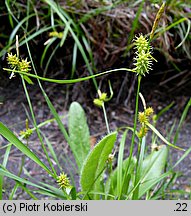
135, 176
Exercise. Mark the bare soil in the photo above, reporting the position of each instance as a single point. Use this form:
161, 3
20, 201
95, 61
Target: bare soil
14, 110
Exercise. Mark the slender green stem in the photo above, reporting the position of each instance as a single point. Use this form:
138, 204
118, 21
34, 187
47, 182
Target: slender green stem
68, 81
105, 116
137, 172
23, 159
19, 174
22, 165
4, 164
134, 133
37, 129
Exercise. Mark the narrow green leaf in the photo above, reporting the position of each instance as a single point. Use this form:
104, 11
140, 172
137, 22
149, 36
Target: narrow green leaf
35, 34
5, 160
50, 42
65, 33
152, 169
74, 59
139, 166
120, 163
52, 190
112, 182
158, 115
162, 138
52, 152
95, 163
79, 133
50, 58
182, 119
29, 81
163, 30
186, 35
67, 21
5, 132
19, 25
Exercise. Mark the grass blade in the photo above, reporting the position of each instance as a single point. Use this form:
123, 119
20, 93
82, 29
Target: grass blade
53, 190
5, 132
162, 138
183, 117
120, 163
64, 18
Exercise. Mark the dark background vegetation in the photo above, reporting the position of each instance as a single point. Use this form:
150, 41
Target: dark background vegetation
108, 28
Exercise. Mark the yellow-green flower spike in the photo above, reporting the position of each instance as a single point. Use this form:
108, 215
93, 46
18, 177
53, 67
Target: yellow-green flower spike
143, 131
103, 97
26, 134
56, 34
24, 65
98, 102
13, 60
110, 158
141, 44
63, 181
143, 59
15, 63
149, 111
143, 119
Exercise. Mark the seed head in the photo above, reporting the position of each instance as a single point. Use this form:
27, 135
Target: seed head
56, 34
98, 102
63, 181
143, 119
24, 65
143, 59
103, 97
110, 158
141, 44
27, 133
149, 111
15, 63
143, 131
13, 60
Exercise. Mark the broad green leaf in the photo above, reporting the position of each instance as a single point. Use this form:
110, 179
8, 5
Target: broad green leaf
5, 132
78, 133
152, 169
95, 164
